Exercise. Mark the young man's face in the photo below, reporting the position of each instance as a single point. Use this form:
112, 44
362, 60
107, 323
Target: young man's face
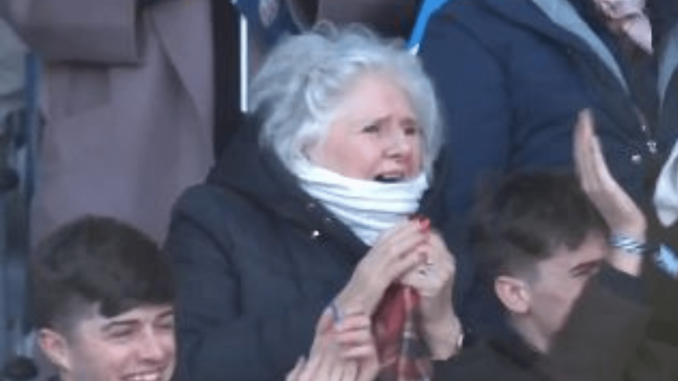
138, 345
559, 282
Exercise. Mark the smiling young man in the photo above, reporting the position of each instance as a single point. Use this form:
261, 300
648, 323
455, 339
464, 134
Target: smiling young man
574, 302
102, 297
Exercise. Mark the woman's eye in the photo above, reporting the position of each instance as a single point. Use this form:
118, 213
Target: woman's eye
372, 128
412, 130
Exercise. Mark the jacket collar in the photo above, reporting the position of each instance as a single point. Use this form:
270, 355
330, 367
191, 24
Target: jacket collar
668, 61
189, 53
513, 347
249, 170
567, 17
560, 21
256, 174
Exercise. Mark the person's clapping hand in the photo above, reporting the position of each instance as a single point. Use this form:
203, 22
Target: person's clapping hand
618, 209
434, 280
394, 254
623, 217
343, 350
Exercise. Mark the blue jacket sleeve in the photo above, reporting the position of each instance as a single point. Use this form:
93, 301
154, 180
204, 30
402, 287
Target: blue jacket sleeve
476, 106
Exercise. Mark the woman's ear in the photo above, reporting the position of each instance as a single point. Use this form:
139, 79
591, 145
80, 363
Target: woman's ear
55, 346
514, 293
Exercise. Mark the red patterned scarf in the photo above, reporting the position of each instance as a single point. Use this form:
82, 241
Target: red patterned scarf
403, 353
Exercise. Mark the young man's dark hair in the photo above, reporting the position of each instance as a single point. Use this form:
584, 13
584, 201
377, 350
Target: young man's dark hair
96, 260
102, 297
527, 217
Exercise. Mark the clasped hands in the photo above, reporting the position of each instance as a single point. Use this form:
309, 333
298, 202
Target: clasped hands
410, 254
414, 255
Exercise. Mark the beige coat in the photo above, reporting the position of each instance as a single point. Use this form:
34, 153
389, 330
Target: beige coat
127, 101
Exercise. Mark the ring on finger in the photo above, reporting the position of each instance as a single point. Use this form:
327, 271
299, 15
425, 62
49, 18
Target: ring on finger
427, 269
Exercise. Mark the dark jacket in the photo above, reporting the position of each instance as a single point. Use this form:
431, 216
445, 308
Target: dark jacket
512, 81
604, 339
663, 298
257, 260
666, 322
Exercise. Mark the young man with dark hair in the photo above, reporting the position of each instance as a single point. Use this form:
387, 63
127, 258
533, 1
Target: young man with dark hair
569, 288
102, 298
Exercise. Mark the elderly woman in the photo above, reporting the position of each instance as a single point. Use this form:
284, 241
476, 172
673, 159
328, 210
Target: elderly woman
313, 205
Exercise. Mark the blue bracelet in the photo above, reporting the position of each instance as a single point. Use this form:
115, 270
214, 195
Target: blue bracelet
628, 244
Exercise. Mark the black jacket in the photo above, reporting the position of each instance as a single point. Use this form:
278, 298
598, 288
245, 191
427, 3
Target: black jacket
664, 290
257, 260
604, 339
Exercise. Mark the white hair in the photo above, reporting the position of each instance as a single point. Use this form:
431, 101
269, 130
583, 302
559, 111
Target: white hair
299, 87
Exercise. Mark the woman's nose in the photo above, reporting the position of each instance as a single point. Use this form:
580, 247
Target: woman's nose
398, 145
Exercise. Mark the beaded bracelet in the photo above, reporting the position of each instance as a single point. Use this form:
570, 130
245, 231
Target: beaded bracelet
628, 244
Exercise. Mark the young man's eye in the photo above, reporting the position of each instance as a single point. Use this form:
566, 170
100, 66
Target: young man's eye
586, 271
121, 332
166, 324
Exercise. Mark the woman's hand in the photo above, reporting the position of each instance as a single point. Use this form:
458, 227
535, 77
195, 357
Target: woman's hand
342, 351
434, 281
617, 208
395, 253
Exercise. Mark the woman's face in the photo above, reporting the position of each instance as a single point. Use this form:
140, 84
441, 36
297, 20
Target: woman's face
375, 134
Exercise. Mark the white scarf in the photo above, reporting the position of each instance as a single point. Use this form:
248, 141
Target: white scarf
367, 207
